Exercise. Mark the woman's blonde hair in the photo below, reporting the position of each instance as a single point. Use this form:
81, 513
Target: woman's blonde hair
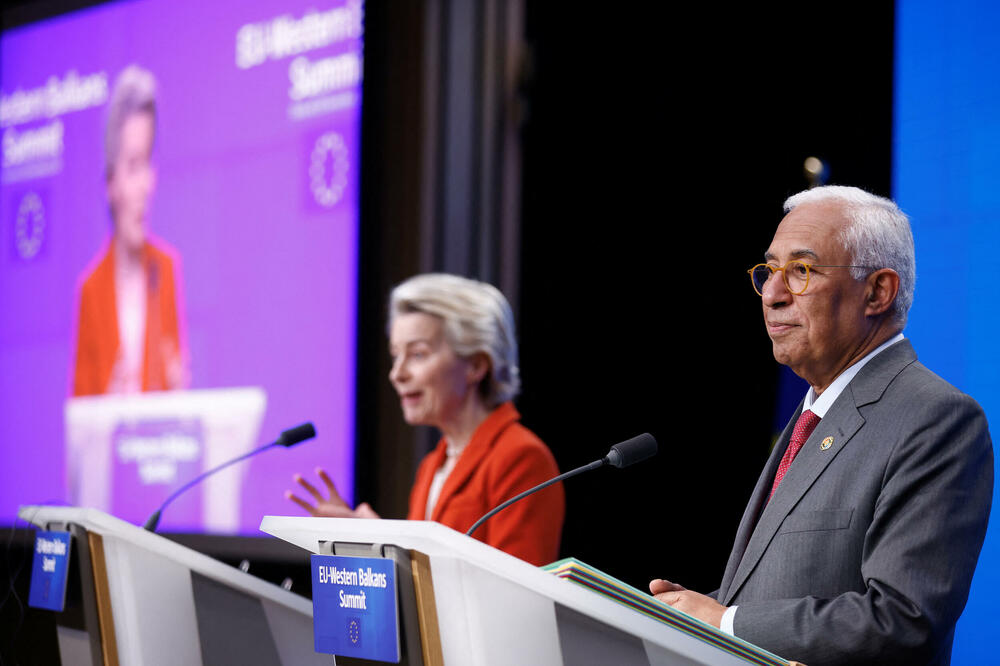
476, 319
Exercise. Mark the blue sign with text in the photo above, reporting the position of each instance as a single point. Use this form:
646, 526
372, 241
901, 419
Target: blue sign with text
354, 607
49, 570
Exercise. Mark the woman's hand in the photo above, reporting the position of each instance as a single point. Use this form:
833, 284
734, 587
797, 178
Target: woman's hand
332, 507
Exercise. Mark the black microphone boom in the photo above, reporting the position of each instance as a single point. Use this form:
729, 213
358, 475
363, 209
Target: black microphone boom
289, 437
621, 455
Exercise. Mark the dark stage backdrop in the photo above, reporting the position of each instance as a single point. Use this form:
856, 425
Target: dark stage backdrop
658, 150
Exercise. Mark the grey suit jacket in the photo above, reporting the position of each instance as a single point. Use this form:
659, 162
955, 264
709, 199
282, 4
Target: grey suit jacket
865, 553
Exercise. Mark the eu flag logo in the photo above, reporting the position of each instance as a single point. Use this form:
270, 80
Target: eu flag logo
354, 631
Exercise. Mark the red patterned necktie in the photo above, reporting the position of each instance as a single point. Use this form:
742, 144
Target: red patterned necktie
804, 426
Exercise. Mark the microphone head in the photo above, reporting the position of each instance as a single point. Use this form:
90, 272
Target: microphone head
299, 433
632, 450
152, 522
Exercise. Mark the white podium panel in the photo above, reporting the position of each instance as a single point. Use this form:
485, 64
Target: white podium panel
158, 602
494, 609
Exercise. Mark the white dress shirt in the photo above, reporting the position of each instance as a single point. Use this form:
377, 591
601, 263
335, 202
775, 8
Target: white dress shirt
452, 454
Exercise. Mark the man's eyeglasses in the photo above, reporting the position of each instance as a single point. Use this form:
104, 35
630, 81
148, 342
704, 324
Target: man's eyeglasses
794, 273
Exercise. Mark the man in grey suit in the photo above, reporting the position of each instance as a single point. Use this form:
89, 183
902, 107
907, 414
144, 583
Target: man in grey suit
860, 540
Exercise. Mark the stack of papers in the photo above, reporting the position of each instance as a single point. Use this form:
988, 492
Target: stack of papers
583, 574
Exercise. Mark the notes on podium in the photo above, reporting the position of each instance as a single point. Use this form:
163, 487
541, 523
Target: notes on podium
597, 581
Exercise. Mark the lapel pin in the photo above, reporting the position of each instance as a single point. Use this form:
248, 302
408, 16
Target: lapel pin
826, 443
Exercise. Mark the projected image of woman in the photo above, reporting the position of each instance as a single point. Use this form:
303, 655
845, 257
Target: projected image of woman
455, 367
128, 335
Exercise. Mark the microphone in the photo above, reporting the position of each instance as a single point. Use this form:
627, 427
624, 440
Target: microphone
621, 455
632, 451
293, 436
290, 437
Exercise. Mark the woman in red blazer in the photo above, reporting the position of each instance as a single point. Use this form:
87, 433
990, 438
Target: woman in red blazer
455, 367
128, 335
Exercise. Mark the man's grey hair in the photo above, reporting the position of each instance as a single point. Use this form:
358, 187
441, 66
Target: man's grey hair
134, 92
878, 235
476, 318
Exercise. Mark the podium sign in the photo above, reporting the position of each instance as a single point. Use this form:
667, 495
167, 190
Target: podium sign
125, 454
49, 570
354, 607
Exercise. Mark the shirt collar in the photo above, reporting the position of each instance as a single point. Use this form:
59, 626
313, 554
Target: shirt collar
819, 405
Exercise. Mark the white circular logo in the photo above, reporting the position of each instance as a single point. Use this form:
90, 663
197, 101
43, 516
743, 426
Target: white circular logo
328, 169
29, 228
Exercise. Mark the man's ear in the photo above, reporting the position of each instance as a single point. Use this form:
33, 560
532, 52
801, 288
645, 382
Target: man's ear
881, 290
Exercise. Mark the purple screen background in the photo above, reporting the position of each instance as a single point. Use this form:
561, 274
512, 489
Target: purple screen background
268, 273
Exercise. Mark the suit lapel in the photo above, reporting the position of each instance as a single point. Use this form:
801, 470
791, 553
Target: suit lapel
841, 423
477, 449
425, 475
108, 317
754, 506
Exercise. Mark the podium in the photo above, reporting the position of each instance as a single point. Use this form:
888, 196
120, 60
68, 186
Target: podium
123, 447
135, 597
476, 605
